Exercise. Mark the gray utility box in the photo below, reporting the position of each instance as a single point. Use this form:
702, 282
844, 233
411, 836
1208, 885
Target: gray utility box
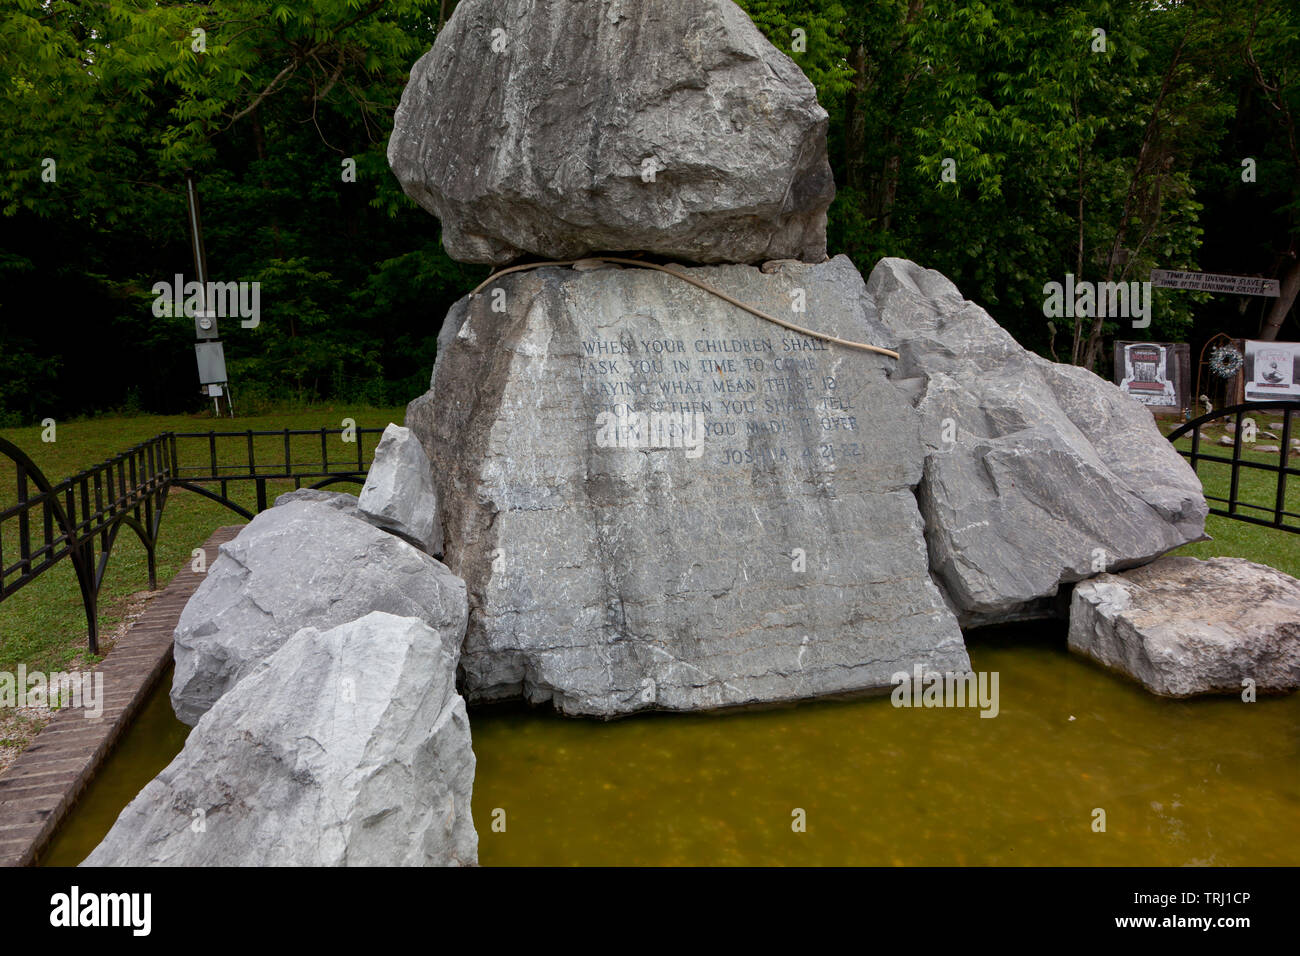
212, 363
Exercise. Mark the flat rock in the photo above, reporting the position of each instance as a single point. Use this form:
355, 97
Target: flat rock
398, 495
1036, 474
769, 550
560, 129
345, 747
1183, 626
299, 564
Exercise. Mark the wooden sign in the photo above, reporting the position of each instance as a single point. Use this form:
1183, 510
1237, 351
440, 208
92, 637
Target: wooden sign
1212, 282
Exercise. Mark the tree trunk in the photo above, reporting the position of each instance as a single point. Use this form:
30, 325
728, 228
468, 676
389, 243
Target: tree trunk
1076, 339
1290, 285
855, 125
1093, 348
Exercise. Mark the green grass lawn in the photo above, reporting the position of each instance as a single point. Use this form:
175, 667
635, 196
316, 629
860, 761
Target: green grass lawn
43, 625
1240, 539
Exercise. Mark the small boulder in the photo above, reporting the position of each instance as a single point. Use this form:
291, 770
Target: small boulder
346, 747
1183, 626
398, 495
299, 564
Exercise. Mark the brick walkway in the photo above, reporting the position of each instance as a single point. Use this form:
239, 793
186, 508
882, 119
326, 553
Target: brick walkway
43, 784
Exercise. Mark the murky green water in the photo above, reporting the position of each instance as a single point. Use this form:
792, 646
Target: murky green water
1213, 782
147, 747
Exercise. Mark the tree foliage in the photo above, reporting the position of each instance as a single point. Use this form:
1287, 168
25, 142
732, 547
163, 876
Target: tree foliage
1004, 142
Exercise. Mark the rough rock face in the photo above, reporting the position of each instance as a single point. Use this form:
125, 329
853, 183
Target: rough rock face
1036, 474
561, 128
769, 550
300, 563
398, 495
335, 499
1183, 626
348, 747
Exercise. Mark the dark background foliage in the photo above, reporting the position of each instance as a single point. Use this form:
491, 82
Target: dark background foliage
1067, 158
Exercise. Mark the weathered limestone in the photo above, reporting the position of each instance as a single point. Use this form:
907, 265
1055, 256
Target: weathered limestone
335, 499
1036, 474
1183, 626
770, 550
300, 563
398, 495
345, 747
560, 129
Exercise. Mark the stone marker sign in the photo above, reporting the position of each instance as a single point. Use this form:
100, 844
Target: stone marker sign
660, 501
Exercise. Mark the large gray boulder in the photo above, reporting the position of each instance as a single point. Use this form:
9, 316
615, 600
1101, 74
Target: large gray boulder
346, 747
300, 563
1036, 474
560, 128
769, 550
398, 495
1183, 626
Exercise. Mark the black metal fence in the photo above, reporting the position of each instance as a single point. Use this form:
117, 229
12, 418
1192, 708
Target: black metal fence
80, 517
206, 450
1274, 516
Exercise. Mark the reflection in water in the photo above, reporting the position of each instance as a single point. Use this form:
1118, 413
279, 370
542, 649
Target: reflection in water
1212, 781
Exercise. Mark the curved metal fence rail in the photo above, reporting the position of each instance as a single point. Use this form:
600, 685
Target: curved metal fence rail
81, 513
1278, 513
80, 517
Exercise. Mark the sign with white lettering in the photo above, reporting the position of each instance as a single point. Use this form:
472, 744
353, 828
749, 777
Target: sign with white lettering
1212, 282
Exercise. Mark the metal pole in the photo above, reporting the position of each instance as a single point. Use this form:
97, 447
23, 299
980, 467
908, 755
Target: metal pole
196, 236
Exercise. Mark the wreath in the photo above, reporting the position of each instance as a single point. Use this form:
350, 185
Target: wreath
1226, 361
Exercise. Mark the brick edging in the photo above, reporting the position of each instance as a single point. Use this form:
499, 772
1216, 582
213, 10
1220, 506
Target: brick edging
39, 788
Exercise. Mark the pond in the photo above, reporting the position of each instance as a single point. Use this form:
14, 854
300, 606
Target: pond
1198, 782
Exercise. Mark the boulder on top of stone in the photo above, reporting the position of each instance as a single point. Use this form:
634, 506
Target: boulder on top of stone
398, 495
1183, 626
559, 129
300, 563
345, 747
1037, 474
